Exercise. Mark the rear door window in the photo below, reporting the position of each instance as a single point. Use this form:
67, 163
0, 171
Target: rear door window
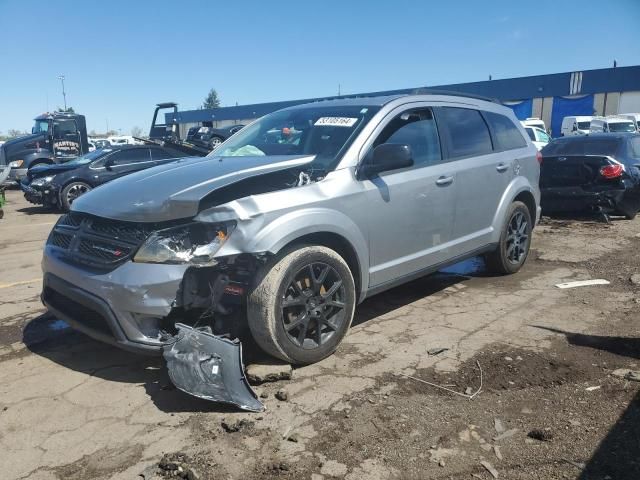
135, 155
506, 135
466, 132
416, 128
159, 154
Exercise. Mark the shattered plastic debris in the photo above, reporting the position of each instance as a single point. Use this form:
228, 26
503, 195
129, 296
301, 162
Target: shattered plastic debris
436, 351
209, 367
583, 283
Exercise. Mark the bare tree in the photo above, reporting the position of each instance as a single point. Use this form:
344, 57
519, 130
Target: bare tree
14, 133
136, 131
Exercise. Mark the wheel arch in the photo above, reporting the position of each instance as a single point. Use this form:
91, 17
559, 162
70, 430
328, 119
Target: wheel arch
518, 190
337, 243
320, 226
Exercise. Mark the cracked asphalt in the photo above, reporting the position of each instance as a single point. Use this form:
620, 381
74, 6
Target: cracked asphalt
71, 407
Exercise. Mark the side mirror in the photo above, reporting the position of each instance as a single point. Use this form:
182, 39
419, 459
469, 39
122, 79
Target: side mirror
575, 128
388, 156
108, 164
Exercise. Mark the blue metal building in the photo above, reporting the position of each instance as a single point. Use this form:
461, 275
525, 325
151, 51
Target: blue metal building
550, 97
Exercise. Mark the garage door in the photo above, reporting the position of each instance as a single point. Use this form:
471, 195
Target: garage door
568, 106
629, 102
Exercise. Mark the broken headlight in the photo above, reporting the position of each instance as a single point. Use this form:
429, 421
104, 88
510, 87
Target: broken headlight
195, 243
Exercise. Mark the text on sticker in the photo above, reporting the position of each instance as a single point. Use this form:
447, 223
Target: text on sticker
335, 122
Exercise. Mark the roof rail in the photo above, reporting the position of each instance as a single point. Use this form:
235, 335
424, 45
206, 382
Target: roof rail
429, 91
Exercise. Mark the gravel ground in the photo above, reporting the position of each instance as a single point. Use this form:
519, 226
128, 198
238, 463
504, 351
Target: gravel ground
550, 406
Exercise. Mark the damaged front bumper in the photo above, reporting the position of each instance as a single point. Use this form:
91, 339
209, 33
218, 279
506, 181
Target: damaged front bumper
209, 367
124, 307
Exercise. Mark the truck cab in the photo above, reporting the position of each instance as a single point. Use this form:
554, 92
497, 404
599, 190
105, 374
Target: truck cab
55, 138
612, 124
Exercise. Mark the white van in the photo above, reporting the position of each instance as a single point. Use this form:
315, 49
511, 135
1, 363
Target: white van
634, 117
613, 124
534, 122
538, 136
575, 125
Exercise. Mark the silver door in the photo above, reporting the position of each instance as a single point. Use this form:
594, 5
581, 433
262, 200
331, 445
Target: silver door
411, 211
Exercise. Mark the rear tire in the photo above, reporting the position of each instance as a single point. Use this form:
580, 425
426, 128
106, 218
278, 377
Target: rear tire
515, 240
71, 192
302, 304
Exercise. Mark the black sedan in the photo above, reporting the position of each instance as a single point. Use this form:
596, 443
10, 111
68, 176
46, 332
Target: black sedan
598, 173
211, 137
59, 185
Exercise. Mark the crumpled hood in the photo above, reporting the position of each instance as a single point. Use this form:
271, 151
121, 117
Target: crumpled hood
174, 190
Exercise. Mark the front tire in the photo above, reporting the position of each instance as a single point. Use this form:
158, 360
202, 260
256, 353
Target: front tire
515, 241
215, 142
302, 304
71, 192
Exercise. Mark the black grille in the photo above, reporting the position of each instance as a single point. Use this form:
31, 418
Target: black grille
71, 220
103, 250
88, 317
119, 230
97, 242
61, 240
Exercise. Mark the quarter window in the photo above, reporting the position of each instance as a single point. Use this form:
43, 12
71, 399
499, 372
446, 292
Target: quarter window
416, 128
466, 132
506, 135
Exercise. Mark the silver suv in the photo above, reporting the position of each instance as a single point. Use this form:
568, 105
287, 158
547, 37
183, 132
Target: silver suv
293, 221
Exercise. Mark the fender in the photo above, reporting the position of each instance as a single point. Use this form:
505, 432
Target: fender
518, 185
267, 236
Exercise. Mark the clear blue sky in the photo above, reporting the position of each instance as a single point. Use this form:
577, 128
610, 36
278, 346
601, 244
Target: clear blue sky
122, 57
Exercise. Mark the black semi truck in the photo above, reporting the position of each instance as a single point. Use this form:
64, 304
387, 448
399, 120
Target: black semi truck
55, 138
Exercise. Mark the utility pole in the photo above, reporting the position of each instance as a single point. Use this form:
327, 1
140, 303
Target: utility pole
338, 89
64, 94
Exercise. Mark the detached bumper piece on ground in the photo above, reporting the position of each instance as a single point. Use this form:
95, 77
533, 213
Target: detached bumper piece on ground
209, 367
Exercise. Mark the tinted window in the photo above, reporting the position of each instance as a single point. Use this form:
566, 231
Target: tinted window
467, 132
634, 148
582, 146
64, 127
130, 156
158, 154
417, 129
531, 133
506, 135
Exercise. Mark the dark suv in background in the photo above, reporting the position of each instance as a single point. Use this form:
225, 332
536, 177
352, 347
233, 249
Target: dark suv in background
59, 185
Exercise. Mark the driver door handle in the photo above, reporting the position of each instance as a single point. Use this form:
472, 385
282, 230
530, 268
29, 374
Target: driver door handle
502, 167
442, 181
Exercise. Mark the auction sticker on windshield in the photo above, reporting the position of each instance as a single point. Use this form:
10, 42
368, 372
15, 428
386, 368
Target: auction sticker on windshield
335, 122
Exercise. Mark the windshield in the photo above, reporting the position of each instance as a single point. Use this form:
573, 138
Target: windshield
325, 132
622, 127
41, 126
584, 125
582, 146
89, 157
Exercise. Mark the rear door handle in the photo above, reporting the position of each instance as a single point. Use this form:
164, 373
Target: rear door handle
501, 167
442, 181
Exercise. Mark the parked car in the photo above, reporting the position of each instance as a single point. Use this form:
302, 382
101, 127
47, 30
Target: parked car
102, 143
538, 136
634, 117
612, 124
374, 192
534, 122
599, 172
60, 185
212, 137
575, 125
